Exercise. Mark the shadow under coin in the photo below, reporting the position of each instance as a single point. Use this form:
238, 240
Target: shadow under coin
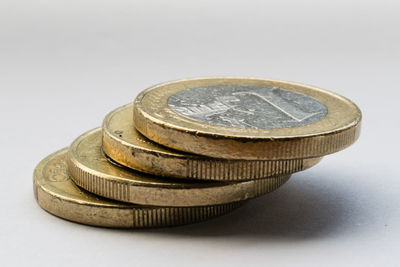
304, 208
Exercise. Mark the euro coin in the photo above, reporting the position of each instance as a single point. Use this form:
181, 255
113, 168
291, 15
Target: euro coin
57, 194
91, 170
126, 146
246, 118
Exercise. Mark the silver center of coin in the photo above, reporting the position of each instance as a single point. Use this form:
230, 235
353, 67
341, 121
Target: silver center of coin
247, 106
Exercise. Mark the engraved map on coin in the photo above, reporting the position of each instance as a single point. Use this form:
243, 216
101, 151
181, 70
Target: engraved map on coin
247, 106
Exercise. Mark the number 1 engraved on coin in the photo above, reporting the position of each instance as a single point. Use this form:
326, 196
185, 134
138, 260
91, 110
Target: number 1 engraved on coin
247, 106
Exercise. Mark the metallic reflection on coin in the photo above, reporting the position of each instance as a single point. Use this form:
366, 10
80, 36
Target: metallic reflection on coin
247, 106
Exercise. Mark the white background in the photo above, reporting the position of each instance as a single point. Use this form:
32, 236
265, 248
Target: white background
65, 64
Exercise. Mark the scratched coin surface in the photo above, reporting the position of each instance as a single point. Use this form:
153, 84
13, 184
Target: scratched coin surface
125, 145
91, 170
57, 194
246, 118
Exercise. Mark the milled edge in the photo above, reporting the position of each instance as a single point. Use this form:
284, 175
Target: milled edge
237, 170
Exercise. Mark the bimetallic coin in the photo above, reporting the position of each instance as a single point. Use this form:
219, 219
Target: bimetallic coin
90, 169
57, 194
246, 118
125, 145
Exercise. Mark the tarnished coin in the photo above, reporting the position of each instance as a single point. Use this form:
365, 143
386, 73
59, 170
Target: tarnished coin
125, 145
246, 118
57, 194
89, 168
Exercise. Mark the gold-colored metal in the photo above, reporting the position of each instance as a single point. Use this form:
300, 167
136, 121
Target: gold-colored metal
57, 194
154, 118
90, 169
125, 145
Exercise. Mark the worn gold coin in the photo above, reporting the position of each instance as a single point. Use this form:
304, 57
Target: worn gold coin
90, 169
57, 194
246, 118
125, 145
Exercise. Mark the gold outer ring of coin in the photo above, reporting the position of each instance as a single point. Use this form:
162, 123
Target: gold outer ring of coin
57, 194
336, 131
126, 146
89, 168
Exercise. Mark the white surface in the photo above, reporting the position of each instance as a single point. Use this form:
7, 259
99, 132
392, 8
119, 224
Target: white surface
65, 64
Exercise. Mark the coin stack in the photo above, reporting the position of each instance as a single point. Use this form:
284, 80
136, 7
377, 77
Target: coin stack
189, 150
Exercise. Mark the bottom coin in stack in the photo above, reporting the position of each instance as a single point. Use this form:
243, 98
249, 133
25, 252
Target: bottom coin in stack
90, 169
57, 194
